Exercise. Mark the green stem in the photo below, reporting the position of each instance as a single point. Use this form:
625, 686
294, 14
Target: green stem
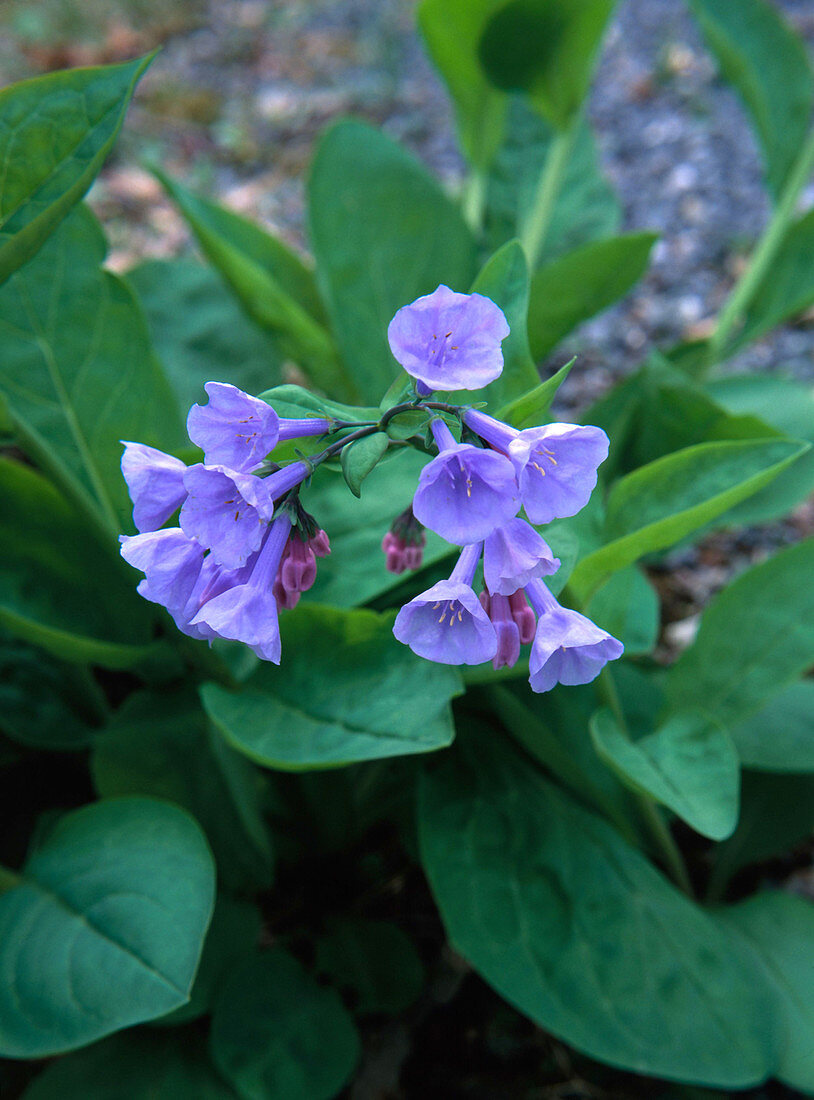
651, 815
473, 199
8, 879
535, 228
764, 254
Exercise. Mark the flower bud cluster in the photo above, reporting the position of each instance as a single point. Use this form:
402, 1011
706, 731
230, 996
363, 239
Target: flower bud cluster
471, 494
239, 551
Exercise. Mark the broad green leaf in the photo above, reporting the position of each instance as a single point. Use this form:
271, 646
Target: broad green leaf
347, 691
689, 765
78, 373
271, 283
779, 929
199, 331
360, 458
277, 1035
148, 1065
105, 928
788, 406
586, 208
160, 744
661, 503
383, 233
546, 49
579, 931
452, 31
767, 64
554, 730
755, 637
627, 606
233, 934
45, 704
55, 133
355, 572
531, 408
581, 283
777, 812
780, 736
786, 290
373, 961
505, 279
59, 586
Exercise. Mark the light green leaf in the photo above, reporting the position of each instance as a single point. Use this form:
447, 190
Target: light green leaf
767, 64
586, 208
689, 765
532, 408
581, 283
661, 503
780, 736
200, 332
78, 373
788, 406
779, 929
756, 636
360, 458
277, 1035
271, 283
628, 608
55, 134
787, 288
578, 931
546, 49
383, 233
348, 691
374, 961
452, 31
105, 928
160, 744
155, 1066
59, 587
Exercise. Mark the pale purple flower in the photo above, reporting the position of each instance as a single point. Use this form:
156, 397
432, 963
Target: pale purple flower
248, 612
568, 648
498, 608
556, 465
171, 563
213, 580
513, 555
466, 492
447, 623
449, 341
237, 430
155, 482
228, 511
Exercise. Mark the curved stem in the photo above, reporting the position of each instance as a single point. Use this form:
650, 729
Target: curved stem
534, 230
764, 254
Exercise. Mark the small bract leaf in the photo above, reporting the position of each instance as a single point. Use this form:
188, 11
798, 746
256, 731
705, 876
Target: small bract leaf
359, 458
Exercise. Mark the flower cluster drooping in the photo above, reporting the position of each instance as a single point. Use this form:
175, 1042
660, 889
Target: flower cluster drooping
471, 495
243, 547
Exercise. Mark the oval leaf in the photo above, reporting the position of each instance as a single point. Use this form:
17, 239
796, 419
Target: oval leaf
360, 458
580, 932
347, 691
105, 928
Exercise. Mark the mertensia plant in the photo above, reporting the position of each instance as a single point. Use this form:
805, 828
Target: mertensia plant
311, 607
